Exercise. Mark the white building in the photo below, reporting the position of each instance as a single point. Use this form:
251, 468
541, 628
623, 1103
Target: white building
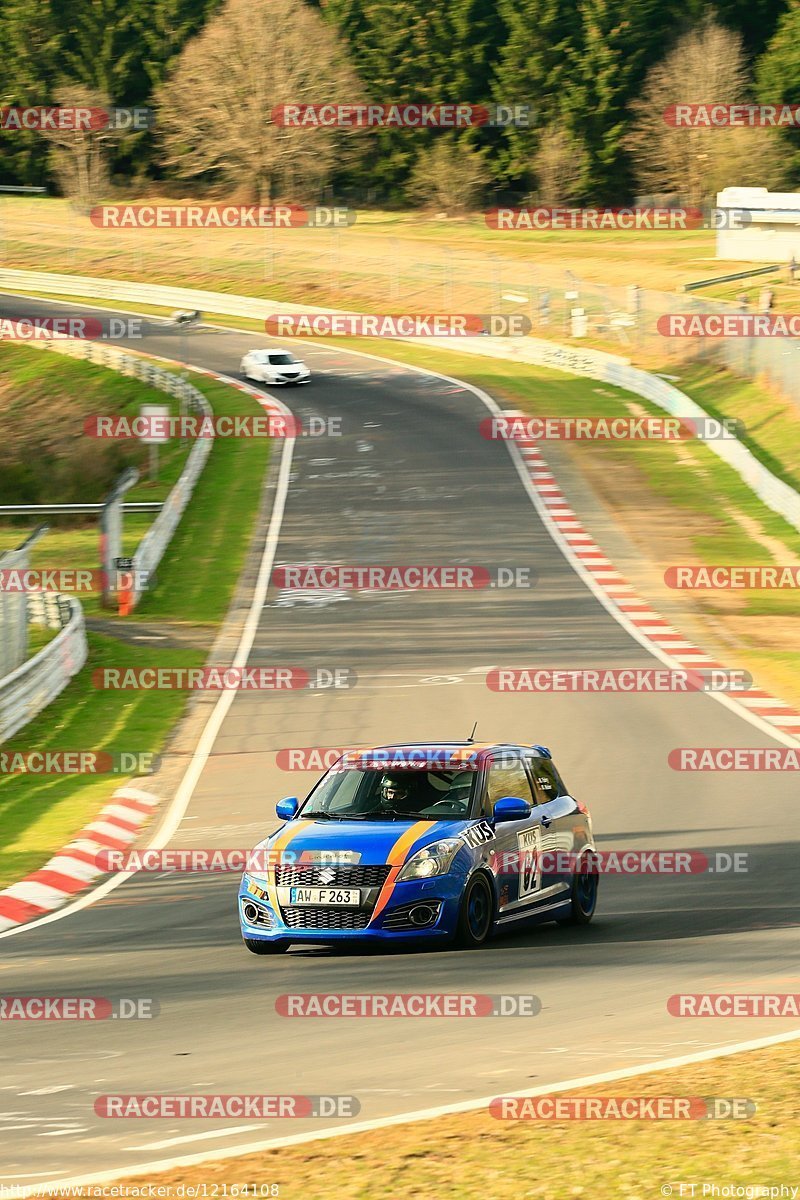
755, 225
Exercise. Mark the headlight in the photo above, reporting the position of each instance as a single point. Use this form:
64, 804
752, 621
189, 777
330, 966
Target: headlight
431, 860
259, 880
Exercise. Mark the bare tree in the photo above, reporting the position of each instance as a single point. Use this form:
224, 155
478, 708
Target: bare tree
707, 66
80, 157
559, 164
449, 177
215, 109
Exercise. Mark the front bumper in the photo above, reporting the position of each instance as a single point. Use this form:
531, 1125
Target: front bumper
288, 380
393, 923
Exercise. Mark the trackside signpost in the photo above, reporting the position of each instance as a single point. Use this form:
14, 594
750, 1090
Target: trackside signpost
155, 419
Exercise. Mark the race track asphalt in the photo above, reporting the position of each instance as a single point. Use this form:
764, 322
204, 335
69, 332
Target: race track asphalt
409, 481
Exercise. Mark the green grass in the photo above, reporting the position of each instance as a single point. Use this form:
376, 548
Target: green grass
44, 401
38, 814
196, 579
704, 492
472, 1154
195, 583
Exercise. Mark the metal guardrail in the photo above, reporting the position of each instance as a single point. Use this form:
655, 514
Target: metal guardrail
33, 510
151, 549
595, 364
13, 610
35, 684
608, 368
701, 283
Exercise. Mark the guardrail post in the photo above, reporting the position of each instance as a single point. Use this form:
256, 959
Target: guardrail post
14, 606
111, 534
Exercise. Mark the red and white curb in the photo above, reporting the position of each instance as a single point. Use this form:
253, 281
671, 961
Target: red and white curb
75, 867
650, 626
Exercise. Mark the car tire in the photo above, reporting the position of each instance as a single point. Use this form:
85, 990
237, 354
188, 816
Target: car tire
582, 900
476, 913
257, 946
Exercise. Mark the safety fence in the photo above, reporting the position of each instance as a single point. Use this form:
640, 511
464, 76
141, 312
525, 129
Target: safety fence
26, 687
37, 682
576, 360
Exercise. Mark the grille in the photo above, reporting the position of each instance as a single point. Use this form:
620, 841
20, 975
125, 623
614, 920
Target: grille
325, 918
292, 874
398, 918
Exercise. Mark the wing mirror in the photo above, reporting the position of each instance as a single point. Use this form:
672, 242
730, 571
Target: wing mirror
511, 808
287, 809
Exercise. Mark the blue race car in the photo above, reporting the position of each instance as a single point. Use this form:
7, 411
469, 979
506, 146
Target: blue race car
442, 843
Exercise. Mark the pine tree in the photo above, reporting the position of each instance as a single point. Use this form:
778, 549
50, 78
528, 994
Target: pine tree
28, 70
778, 81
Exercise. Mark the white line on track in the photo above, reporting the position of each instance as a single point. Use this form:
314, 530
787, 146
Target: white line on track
182, 798
427, 1114
195, 1137
180, 802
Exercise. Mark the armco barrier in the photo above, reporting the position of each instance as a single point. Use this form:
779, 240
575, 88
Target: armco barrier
609, 368
151, 549
29, 689
33, 685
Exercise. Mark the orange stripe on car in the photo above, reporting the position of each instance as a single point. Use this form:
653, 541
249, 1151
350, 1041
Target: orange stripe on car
280, 843
396, 857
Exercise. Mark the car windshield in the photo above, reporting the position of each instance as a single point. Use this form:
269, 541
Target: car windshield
376, 795
282, 359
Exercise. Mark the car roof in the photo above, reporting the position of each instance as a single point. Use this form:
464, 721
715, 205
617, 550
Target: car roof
477, 751
271, 350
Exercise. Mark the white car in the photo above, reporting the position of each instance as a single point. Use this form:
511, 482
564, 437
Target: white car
274, 367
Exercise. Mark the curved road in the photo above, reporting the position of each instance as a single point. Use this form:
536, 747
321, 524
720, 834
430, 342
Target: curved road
410, 480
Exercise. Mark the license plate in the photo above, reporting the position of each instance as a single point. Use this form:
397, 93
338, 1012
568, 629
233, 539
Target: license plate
347, 897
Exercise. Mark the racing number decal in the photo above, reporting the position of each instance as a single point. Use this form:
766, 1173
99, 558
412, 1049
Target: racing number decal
529, 843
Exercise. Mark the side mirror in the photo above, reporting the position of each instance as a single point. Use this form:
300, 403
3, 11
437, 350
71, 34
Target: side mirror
287, 809
511, 808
